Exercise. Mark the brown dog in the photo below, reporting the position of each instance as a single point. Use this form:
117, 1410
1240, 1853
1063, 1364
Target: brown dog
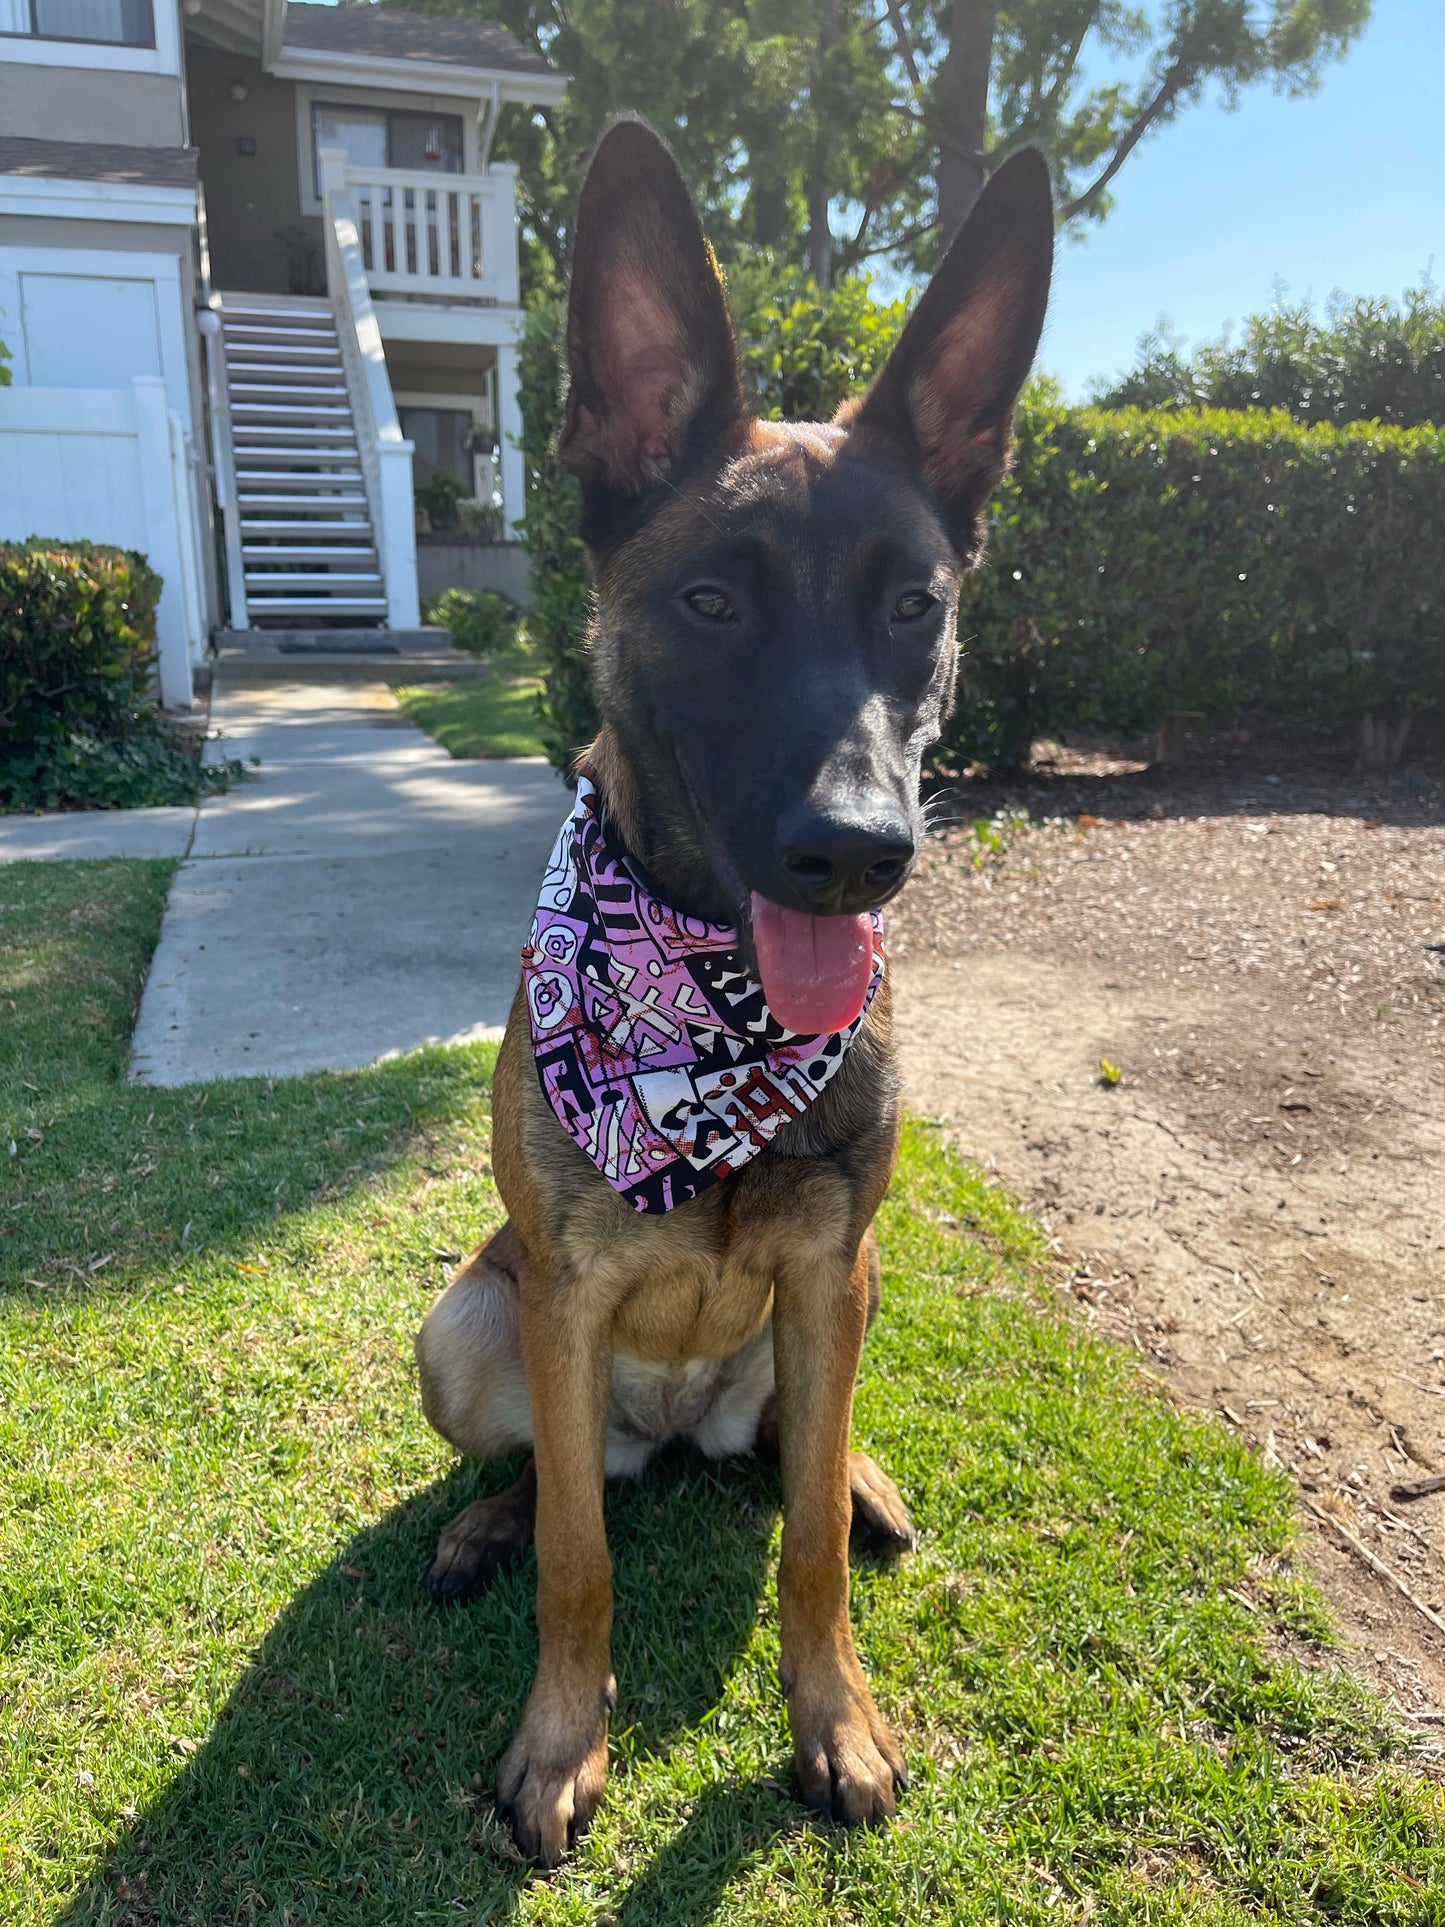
773, 653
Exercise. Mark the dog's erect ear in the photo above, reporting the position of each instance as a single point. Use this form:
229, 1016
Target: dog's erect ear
650, 347
945, 397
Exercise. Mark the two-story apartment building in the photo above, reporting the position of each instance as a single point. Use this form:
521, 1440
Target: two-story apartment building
258, 278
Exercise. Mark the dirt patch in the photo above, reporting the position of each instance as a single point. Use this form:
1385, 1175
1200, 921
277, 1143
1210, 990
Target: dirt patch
1258, 1202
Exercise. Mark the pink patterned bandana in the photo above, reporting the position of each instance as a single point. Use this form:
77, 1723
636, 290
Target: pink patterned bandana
654, 1043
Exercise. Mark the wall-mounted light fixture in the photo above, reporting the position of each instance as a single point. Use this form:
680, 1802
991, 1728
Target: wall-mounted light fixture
237, 91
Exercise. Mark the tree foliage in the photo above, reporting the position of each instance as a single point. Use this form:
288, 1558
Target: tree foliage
1364, 360
841, 131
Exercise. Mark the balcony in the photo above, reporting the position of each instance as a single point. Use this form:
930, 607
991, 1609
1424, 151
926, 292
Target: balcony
445, 237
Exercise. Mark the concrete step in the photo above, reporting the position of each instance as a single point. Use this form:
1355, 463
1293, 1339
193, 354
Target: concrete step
283, 554
313, 480
268, 354
255, 528
338, 654
318, 504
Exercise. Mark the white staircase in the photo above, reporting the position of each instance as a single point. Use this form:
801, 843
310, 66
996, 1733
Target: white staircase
307, 548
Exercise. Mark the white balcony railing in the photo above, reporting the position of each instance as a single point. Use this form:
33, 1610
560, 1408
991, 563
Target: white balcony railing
448, 235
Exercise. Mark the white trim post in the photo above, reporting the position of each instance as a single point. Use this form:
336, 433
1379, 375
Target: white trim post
164, 544
396, 538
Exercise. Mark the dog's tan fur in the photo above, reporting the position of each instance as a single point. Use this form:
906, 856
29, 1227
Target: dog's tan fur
585, 1330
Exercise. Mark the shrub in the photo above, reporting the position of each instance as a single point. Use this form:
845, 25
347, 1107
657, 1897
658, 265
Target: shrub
438, 497
561, 597
804, 351
482, 622
1224, 561
77, 634
79, 726
1363, 361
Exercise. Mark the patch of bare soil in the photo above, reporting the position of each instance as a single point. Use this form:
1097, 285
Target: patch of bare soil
1258, 1203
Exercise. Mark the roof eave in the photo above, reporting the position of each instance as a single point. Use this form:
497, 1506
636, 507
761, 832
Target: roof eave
417, 76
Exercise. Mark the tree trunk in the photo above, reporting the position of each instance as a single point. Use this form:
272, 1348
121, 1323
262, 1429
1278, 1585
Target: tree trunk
820, 192
770, 215
1383, 739
820, 235
963, 113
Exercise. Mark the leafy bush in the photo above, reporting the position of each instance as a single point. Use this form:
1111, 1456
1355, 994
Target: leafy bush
482, 622
438, 497
145, 770
804, 351
561, 597
79, 726
1363, 361
1224, 561
77, 637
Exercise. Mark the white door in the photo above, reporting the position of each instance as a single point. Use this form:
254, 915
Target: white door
89, 331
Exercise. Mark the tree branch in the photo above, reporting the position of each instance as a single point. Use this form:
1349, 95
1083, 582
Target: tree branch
1172, 85
854, 252
905, 45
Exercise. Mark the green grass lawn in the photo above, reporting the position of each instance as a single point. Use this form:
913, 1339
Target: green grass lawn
485, 716
226, 1699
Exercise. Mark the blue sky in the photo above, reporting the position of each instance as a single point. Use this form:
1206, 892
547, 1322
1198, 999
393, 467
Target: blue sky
1343, 190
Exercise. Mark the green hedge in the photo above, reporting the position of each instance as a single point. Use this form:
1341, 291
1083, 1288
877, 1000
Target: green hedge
1227, 561
79, 726
1224, 562
77, 638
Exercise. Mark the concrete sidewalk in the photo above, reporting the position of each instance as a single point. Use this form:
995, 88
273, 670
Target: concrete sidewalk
363, 895
86, 835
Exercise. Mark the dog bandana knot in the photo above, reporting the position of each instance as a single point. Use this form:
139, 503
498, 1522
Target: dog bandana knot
653, 1041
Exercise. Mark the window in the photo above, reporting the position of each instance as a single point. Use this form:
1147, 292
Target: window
379, 137
443, 438
113, 23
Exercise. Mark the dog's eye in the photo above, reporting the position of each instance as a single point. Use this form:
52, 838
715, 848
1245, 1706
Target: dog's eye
711, 604
908, 608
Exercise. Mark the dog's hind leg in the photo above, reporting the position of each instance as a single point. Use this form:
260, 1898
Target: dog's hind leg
469, 1355
483, 1540
881, 1527
474, 1391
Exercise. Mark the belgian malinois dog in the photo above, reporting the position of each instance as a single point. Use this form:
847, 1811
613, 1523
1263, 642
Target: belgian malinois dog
773, 653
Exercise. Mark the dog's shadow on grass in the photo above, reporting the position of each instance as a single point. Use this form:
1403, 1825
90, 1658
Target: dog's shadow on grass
348, 1776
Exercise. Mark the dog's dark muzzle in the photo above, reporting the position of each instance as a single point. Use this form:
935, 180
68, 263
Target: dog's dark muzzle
837, 865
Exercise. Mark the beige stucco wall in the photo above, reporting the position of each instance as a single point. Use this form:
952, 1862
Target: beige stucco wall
85, 104
261, 243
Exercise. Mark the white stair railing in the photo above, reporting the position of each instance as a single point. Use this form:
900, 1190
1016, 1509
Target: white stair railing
385, 455
449, 235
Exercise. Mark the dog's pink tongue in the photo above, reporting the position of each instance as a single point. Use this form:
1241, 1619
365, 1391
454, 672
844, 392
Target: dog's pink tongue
815, 970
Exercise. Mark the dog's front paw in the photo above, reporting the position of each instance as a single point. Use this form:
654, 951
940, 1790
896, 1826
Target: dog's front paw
552, 1778
849, 1764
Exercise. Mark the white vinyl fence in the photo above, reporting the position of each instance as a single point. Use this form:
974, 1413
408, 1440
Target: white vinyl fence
107, 465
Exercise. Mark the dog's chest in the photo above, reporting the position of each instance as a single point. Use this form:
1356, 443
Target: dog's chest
714, 1402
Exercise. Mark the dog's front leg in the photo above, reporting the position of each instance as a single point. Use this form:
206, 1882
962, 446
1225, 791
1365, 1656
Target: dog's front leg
552, 1776
849, 1764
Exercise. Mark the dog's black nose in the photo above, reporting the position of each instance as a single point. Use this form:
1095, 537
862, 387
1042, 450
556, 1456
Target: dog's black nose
836, 865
